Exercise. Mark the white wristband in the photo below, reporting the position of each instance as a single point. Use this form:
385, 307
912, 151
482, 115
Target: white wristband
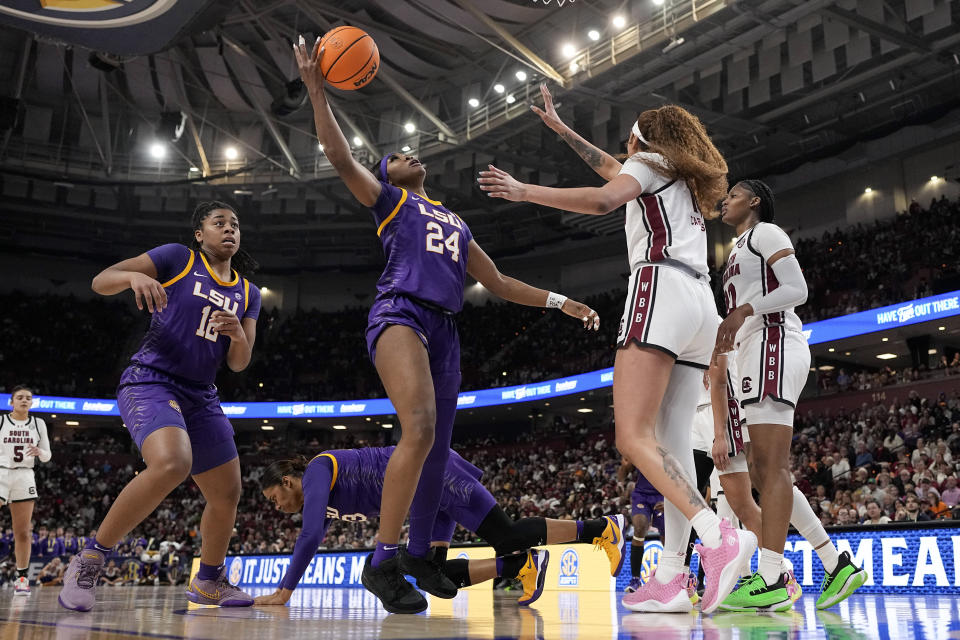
555, 300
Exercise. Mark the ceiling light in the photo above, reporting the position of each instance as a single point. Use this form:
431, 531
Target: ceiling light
157, 150
72, 423
339, 427
309, 421
521, 75
941, 328
511, 99
499, 88
659, 3
593, 34
831, 349
231, 153
409, 127
619, 22
405, 148
504, 372
884, 339
934, 178
387, 425
357, 141
194, 169
569, 50
846, 353
264, 290
473, 102
868, 190
887, 356
931, 352
584, 410
320, 146
574, 67
260, 384
242, 192
825, 367
266, 427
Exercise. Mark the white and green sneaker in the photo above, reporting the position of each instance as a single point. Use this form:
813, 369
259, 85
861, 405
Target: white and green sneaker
840, 584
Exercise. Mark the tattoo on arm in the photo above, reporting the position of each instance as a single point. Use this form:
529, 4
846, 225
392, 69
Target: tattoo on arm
591, 155
672, 469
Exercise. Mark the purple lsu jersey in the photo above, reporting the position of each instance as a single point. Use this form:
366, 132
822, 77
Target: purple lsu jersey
181, 340
643, 485
426, 248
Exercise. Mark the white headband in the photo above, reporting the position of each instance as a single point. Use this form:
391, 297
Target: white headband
636, 132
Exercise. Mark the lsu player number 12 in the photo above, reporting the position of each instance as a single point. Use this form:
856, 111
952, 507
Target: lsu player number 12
23, 439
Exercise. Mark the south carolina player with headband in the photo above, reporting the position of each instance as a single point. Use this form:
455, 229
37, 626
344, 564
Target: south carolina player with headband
412, 340
203, 313
23, 440
348, 484
762, 283
666, 334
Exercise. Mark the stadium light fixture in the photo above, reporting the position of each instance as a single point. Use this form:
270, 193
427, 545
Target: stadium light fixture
510, 99
473, 102
357, 141
831, 349
266, 427
72, 423
884, 339
619, 22
931, 352
409, 127
941, 328
157, 150
584, 410
569, 50
659, 3
340, 427
887, 356
405, 148
868, 190
521, 75
231, 153
593, 34
934, 178
387, 425
574, 67
320, 146
499, 88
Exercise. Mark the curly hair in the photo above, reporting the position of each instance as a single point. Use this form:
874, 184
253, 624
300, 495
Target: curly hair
682, 140
274, 474
242, 261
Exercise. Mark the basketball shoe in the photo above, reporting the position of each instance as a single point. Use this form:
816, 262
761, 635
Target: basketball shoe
721, 565
635, 583
218, 592
612, 542
387, 583
21, 587
840, 584
80, 580
653, 597
754, 594
429, 575
533, 575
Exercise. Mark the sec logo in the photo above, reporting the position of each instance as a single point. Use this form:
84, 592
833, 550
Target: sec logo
569, 568
236, 571
462, 556
651, 558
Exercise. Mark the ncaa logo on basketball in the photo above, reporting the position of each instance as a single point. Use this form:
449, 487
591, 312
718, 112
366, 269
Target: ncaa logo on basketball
236, 571
569, 569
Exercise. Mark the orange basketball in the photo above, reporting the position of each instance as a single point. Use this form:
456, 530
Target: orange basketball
350, 58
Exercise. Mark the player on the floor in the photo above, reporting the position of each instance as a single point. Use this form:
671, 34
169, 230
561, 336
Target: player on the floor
646, 508
22, 441
762, 283
348, 484
412, 339
673, 173
203, 313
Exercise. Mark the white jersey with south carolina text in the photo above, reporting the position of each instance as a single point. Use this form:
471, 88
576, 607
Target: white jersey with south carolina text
17, 436
747, 277
663, 222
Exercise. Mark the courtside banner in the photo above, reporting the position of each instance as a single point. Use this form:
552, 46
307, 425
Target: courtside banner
901, 560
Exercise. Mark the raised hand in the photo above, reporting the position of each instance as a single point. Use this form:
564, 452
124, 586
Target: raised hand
500, 184
308, 62
549, 113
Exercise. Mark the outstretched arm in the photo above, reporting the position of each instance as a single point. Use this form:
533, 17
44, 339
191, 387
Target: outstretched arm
362, 184
600, 161
482, 268
595, 201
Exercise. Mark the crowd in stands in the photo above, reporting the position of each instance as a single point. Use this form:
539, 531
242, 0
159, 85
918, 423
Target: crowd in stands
881, 462
82, 346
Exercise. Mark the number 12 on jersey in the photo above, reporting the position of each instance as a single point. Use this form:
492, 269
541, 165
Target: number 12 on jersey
436, 242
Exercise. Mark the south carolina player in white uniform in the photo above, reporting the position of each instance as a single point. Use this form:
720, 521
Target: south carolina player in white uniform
22, 439
669, 318
762, 283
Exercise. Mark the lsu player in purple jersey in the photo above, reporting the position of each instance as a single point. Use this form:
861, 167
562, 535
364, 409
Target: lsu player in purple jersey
672, 175
203, 313
412, 339
646, 509
348, 485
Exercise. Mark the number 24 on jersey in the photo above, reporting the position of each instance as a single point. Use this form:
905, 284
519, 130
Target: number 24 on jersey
436, 243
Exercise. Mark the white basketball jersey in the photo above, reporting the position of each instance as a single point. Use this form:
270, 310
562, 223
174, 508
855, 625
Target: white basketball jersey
16, 437
703, 425
663, 222
748, 277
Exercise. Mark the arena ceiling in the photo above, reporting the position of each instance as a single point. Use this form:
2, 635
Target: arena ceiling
777, 82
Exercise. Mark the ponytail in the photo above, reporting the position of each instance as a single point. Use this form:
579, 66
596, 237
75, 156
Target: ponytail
277, 470
760, 189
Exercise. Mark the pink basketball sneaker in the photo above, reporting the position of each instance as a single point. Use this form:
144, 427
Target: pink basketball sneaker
653, 597
721, 566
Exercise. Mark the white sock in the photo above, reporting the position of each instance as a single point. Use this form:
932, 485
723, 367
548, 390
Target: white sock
673, 434
707, 525
786, 565
769, 567
725, 511
670, 565
806, 522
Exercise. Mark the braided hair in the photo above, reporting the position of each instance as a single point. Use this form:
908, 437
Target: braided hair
760, 189
242, 261
275, 472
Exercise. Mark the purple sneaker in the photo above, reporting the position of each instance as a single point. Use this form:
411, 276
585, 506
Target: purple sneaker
653, 597
721, 566
80, 581
217, 592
